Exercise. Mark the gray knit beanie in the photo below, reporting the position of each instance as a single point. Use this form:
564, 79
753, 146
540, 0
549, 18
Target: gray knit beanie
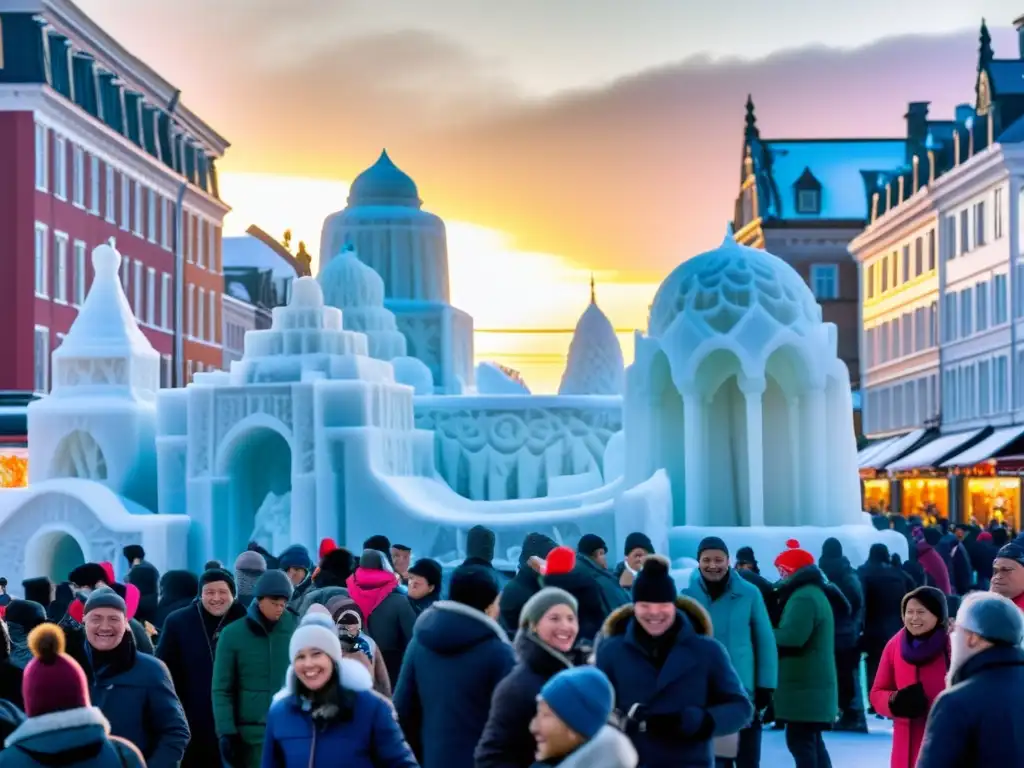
543, 601
249, 566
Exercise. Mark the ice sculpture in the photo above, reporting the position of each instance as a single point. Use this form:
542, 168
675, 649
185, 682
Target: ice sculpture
272, 526
491, 379
594, 365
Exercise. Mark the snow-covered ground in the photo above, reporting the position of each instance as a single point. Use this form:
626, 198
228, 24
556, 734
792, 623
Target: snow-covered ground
847, 750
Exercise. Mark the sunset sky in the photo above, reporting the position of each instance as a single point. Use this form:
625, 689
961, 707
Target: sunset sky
555, 139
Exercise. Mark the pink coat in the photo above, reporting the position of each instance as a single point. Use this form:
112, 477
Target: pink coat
894, 673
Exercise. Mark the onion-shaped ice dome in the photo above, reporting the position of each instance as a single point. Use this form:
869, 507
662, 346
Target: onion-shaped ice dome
720, 287
384, 183
595, 365
358, 291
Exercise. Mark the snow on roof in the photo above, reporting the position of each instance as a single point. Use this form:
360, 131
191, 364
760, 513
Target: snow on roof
836, 164
246, 251
238, 291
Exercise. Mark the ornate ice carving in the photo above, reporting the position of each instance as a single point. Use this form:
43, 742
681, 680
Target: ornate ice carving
79, 455
272, 524
93, 372
507, 454
233, 405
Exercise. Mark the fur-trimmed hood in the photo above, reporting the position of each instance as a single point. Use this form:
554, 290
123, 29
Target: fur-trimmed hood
451, 628
608, 749
353, 676
699, 618
76, 727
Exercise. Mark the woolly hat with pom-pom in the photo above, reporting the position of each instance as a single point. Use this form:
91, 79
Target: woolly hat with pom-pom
559, 560
654, 583
326, 546
794, 558
53, 681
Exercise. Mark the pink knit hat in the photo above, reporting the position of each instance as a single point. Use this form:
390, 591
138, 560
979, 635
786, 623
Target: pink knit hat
52, 681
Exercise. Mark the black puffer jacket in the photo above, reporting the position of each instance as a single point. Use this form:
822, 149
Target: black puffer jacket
884, 587
506, 740
177, 590
838, 571
146, 579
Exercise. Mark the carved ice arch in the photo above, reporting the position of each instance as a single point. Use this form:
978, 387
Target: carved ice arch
79, 455
243, 429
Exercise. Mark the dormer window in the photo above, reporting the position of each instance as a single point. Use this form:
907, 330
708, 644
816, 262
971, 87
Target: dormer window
807, 190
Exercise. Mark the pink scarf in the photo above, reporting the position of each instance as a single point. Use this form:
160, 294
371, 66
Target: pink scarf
368, 587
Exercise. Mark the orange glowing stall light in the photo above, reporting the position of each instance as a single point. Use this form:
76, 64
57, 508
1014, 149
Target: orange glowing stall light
877, 494
13, 471
992, 498
920, 493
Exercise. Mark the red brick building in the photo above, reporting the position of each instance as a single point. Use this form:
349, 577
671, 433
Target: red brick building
96, 145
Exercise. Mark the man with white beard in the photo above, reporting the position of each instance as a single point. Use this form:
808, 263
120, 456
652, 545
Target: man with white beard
977, 720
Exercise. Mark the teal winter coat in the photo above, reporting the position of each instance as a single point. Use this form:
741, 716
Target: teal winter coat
740, 622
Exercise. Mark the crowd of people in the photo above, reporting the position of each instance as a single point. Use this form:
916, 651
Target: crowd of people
380, 660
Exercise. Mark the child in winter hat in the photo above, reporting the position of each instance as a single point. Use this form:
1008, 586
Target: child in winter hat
571, 725
793, 559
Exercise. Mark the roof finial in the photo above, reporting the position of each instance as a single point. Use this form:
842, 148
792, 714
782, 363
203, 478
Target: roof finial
593, 293
985, 53
751, 130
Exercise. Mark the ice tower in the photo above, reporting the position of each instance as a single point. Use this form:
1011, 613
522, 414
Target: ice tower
594, 365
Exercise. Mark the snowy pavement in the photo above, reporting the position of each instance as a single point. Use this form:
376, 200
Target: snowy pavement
847, 750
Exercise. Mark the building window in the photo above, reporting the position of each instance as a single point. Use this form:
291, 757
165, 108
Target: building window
999, 301
165, 301
79, 273
894, 339
201, 315
949, 324
984, 388
165, 223
200, 227
997, 213
137, 290
906, 264
933, 324
60, 168
869, 281
908, 333
42, 158
110, 193
999, 385
187, 234
931, 250
151, 215
94, 185
211, 247
125, 272
213, 317
126, 202
137, 228
60, 287
78, 177
979, 224
41, 351
918, 256
165, 371
189, 309
150, 295
966, 316
42, 234
965, 232
919, 329
825, 281
981, 306
885, 274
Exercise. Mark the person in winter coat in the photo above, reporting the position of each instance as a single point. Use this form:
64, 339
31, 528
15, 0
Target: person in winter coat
457, 657
884, 587
983, 553
977, 721
327, 715
571, 724
849, 627
673, 681
10, 718
86, 579
298, 566
134, 690
387, 613
480, 541
22, 617
355, 643
188, 646
747, 567
592, 561
913, 672
62, 728
526, 582
545, 645
39, 590
329, 580
925, 540
561, 570
807, 697
10, 673
62, 597
249, 666
1007, 574
177, 590
425, 577
740, 621
4, 597
145, 576
638, 546
249, 566
958, 562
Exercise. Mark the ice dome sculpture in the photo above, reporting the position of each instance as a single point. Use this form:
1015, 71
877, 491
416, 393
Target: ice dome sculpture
384, 183
358, 291
738, 392
594, 365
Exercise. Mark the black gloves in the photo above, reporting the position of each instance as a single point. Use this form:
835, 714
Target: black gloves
231, 750
690, 724
909, 702
762, 698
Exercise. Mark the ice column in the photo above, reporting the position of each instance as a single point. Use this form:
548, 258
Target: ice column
753, 391
693, 457
813, 468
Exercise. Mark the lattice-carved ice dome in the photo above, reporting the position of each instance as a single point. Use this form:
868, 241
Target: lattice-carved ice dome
720, 287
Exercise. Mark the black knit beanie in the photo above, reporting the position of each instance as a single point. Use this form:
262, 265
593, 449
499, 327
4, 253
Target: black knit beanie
637, 540
211, 575
931, 598
654, 583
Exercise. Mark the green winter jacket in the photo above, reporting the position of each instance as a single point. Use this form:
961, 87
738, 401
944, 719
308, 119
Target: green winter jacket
248, 669
740, 621
808, 689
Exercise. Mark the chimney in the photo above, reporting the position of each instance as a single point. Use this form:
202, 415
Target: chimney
1018, 24
917, 123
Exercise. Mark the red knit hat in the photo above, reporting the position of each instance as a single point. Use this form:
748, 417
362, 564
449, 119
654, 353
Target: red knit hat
560, 560
794, 558
326, 546
52, 681
108, 568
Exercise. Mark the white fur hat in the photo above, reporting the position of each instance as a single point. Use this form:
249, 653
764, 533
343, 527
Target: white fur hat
316, 631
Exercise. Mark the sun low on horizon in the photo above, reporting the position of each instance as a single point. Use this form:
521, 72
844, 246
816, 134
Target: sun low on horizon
524, 304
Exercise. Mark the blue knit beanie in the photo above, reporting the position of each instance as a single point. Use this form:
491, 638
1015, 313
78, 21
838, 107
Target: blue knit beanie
582, 697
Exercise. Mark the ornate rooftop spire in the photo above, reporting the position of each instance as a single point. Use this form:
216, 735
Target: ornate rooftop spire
751, 120
593, 293
985, 54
